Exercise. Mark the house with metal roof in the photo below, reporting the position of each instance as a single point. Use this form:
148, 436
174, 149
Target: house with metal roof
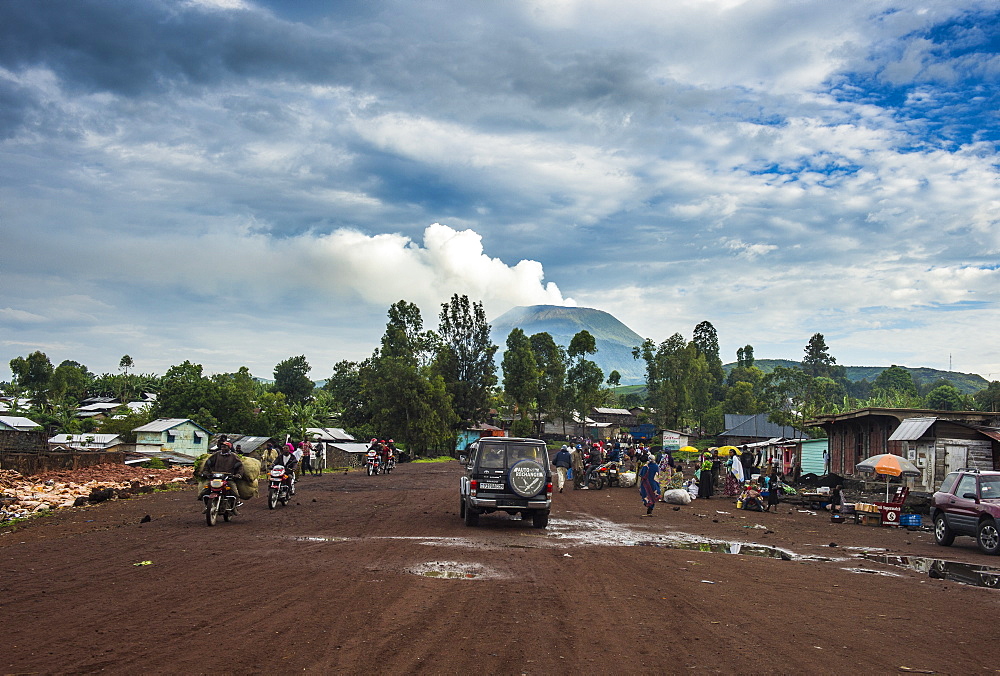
84, 442
749, 429
17, 423
326, 434
937, 442
172, 437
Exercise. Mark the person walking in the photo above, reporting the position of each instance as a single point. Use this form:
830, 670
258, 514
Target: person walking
705, 477
773, 491
649, 488
579, 478
734, 475
562, 463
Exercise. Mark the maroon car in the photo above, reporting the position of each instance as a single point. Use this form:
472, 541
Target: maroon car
968, 503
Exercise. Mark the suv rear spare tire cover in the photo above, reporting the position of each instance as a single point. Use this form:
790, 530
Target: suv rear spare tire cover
526, 478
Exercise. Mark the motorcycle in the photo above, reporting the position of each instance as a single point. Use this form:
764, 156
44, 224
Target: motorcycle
220, 498
593, 479
610, 473
279, 488
390, 464
372, 465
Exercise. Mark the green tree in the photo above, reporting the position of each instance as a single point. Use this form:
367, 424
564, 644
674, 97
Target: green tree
125, 363
465, 359
408, 401
895, 379
291, 379
944, 398
744, 357
237, 400
740, 399
32, 375
304, 416
584, 377
345, 389
818, 361
668, 370
70, 381
551, 362
786, 393
186, 393
520, 372
272, 417
988, 399
613, 381
706, 342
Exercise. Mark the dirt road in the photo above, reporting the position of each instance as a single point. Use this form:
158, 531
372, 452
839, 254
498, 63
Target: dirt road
379, 575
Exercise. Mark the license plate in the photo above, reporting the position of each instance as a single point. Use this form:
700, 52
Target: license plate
512, 503
491, 487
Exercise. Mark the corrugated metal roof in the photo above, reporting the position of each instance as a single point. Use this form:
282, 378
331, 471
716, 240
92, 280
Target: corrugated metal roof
18, 422
757, 425
97, 439
912, 429
991, 432
613, 411
329, 434
105, 406
161, 425
347, 447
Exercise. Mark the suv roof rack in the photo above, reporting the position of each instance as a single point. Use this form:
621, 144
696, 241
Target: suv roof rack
969, 470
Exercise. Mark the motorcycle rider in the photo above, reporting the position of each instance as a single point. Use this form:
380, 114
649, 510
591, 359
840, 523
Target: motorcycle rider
373, 452
286, 458
383, 453
392, 451
223, 461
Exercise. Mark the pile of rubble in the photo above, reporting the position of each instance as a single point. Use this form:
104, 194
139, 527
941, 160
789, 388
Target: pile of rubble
22, 496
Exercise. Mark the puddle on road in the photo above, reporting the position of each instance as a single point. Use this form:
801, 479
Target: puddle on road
587, 531
939, 569
453, 570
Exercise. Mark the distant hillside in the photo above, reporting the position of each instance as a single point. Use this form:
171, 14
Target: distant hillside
614, 340
967, 383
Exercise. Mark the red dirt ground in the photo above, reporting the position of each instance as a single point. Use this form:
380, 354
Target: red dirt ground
332, 583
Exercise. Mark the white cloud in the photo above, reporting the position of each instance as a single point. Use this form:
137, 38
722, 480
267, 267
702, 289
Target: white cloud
16, 315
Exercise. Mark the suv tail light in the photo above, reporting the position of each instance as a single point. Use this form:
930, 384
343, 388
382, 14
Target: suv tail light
548, 490
473, 487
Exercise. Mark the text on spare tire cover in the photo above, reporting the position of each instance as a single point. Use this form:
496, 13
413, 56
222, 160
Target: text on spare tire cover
527, 477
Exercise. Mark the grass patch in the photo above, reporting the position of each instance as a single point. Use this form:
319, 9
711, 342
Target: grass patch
440, 458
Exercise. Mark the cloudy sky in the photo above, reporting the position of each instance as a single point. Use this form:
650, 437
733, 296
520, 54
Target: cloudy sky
239, 182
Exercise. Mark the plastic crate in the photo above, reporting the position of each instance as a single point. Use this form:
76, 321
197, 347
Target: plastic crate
910, 520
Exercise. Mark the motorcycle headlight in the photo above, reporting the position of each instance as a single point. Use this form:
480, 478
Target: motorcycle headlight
216, 483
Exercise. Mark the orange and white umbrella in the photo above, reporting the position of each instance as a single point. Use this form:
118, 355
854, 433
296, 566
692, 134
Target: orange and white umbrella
888, 464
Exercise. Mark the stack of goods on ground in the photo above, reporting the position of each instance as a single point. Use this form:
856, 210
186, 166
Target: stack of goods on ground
22, 496
246, 487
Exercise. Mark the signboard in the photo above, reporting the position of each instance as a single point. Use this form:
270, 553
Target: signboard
671, 441
890, 514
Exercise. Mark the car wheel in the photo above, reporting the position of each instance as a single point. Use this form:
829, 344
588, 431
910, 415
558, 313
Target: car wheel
943, 535
539, 519
988, 537
471, 516
461, 507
